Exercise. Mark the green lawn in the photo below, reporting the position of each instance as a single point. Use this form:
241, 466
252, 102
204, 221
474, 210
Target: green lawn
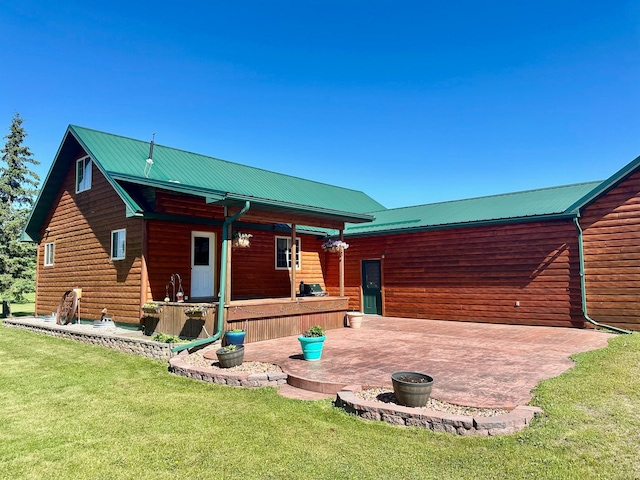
70, 410
24, 309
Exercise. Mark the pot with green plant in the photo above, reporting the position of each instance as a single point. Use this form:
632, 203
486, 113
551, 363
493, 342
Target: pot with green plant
195, 311
235, 336
230, 356
151, 308
312, 341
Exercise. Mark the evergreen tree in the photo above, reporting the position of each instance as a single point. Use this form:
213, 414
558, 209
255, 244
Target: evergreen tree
18, 185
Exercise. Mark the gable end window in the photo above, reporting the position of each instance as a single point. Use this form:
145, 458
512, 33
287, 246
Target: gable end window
83, 174
48, 254
283, 253
118, 244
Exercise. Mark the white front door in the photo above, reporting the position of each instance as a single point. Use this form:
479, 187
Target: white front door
202, 264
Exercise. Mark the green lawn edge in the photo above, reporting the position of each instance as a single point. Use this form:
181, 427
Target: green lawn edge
71, 410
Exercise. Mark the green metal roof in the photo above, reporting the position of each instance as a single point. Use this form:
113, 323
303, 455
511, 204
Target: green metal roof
519, 206
173, 168
122, 161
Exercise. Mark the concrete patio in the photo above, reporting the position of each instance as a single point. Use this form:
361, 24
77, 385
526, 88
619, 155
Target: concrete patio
474, 364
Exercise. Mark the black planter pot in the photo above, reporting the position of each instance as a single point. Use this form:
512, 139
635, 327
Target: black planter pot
412, 389
232, 358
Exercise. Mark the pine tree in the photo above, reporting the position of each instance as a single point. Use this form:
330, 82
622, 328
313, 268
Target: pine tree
18, 185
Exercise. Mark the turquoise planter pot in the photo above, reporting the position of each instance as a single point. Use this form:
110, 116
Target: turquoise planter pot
234, 338
312, 347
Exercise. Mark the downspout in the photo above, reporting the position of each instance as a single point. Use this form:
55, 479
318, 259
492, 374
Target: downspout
223, 284
583, 285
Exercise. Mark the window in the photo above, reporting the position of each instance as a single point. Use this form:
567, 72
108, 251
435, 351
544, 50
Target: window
83, 174
48, 254
283, 253
118, 244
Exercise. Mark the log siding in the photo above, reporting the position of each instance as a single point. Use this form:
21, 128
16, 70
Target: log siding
473, 274
612, 255
80, 226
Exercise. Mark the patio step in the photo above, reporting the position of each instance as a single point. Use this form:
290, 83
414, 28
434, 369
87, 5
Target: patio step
289, 391
312, 385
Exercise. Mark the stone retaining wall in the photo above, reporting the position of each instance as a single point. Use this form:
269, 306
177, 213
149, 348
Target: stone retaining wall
235, 379
142, 347
394, 414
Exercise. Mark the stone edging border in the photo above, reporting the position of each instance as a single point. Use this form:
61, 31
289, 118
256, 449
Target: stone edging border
511, 422
178, 366
144, 348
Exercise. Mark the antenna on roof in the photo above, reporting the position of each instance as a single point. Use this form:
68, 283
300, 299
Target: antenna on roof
149, 164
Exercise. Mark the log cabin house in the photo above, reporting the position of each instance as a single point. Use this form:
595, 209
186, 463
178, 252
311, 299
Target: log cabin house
129, 222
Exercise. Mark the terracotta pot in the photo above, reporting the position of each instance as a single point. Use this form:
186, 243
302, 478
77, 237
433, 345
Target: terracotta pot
355, 319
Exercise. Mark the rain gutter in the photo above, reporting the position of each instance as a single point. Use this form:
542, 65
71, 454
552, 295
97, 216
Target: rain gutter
583, 285
223, 283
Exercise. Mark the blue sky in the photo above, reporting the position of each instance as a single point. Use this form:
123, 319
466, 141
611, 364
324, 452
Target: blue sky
411, 102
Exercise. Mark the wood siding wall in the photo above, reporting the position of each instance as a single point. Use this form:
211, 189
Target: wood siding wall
612, 255
80, 227
253, 270
473, 274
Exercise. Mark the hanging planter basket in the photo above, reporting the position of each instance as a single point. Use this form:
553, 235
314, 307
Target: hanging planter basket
241, 240
151, 308
334, 246
195, 312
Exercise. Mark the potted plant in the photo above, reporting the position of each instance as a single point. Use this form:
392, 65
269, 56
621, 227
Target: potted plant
241, 240
312, 341
235, 336
195, 311
151, 308
412, 389
334, 246
230, 356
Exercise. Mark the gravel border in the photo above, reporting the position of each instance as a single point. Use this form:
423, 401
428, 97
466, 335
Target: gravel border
438, 421
386, 396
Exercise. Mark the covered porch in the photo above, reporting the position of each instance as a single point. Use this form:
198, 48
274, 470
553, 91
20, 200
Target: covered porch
262, 316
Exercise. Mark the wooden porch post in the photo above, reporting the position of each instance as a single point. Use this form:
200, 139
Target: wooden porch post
227, 290
341, 261
294, 254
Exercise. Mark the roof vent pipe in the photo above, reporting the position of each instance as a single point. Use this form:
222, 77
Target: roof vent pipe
149, 163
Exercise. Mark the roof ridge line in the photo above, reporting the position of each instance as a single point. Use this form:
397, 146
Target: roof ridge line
156, 145
595, 182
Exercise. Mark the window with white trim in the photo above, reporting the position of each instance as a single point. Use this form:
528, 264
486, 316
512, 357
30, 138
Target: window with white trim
283, 253
48, 254
83, 174
118, 244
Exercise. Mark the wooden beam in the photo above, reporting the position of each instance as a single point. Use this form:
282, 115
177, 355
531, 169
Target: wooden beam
341, 261
294, 263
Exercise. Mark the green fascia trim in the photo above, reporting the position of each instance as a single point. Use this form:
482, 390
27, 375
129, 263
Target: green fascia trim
605, 186
481, 223
133, 209
214, 195
37, 216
